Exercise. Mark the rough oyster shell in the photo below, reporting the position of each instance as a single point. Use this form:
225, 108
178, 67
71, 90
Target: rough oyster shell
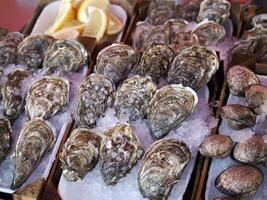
193, 67
188, 10
256, 96
32, 49
169, 107
159, 35
119, 151
116, 61
46, 97
183, 40
133, 97
5, 139
175, 26
239, 78
238, 116
35, 140
79, 154
161, 168
65, 55
216, 146
239, 181
94, 96
260, 21
256, 33
12, 94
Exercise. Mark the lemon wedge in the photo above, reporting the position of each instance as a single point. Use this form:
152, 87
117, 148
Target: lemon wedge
114, 24
74, 25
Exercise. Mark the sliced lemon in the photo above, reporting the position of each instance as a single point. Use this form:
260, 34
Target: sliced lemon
74, 25
97, 23
114, 24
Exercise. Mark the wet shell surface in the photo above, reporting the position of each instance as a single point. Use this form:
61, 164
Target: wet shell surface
260, 21
12, 94
95, 94
65, 55
239, 181
156, 61
188, 10
35, 140
216, 146
169, 107
32, 49
80, 154
161, 167
239, 78
183, 40
238, 116
119, 151
46, 97
256, 96
116, 61
193, 67
5, 139
133, 97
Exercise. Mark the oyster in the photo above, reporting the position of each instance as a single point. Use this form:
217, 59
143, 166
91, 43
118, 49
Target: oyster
169, 107
260, 21
119, 151
13, 96
65, 55
255, 33
188, 10
193, 67
133, 97
256, 96
32, 49
95, 94
35, 140
175, 26
239, 181
183, 40
6, 138
238, 116
161, 168
252, 151
46, 97
239, 78
216, 146
261, 52
79, 154
116, 61
209, 33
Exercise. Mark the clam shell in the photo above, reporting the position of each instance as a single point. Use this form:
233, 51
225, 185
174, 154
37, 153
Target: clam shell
260, 21
5, 139
239, 181
188, 10
183, 40
79, 154
169, 107
119, 151
161, 167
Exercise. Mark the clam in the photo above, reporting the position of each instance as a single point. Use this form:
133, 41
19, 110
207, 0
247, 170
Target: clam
119, 151
116, 61
95, 94
260, 21
169, 107
35, 140
188, 10
238, 116
183, 40
6, 138
12, 93
239, 78
239, 181
216, 146
79, 154
161, 167
46, 97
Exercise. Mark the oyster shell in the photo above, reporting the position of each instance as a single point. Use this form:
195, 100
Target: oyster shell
35, 140
32, 49
239, 78
79, 154
238, 116
255, 33
95, 94
5, 139
239, 181
216, 146
161, 167
256, 96
209, 33
175, 26
193, 67
169, 107
119, 151
65, 55
116, 61
183, 40
46, 97
188, 10
133, 97
13, 96
156, 61
261, 52
260, 21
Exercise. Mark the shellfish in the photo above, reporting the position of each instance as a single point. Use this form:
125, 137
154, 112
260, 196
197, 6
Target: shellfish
188, 10
260, 21
5, 139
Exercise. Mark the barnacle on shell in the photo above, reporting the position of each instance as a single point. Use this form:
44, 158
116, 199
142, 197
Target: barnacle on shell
5, 139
